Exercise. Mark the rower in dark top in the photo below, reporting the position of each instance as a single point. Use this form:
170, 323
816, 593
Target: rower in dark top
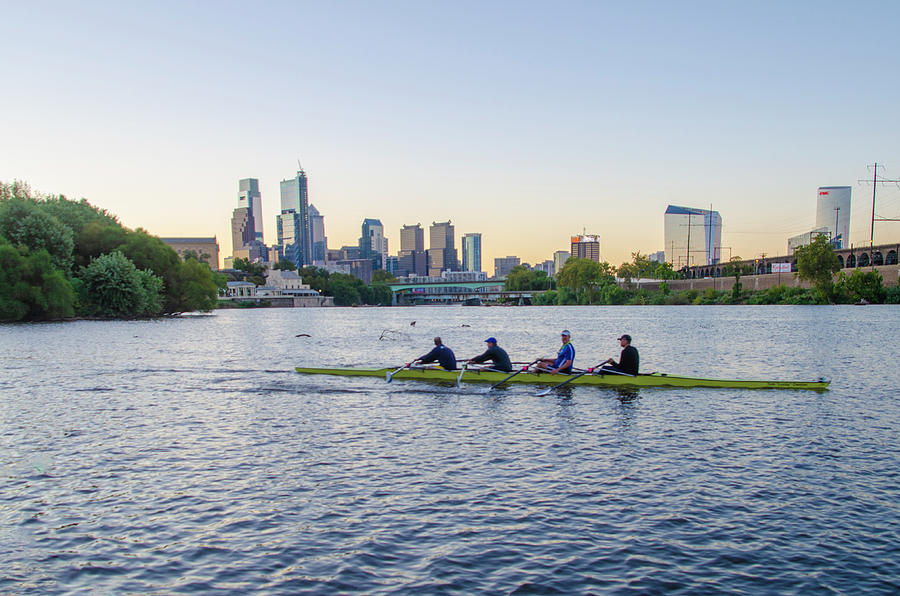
440, 354
497, 355
565, 358
628, 361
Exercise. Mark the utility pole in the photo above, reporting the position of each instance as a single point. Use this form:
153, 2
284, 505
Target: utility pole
875, 182
837, 212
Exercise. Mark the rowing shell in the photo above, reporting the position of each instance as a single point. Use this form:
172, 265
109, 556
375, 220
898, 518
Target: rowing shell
599, 379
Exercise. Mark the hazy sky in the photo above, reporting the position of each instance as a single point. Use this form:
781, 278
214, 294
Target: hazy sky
527, 122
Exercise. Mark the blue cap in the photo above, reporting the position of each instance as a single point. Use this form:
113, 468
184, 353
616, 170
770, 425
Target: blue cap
491, 340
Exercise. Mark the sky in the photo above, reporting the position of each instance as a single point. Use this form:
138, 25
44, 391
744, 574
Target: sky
527, 122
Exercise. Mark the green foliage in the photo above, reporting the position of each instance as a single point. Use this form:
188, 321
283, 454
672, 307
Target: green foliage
817, 263
641, 267
383, 276
24, 223
31, 287
892, 295
345, 289
860, 285
548, 298
95, 239
114, 287
283, 264
316, 277
521, 278
257, 269
197, 286
379, 293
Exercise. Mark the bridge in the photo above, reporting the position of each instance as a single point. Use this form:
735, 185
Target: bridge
474, 292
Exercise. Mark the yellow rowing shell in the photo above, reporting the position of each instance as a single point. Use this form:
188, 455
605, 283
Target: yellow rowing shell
613, 380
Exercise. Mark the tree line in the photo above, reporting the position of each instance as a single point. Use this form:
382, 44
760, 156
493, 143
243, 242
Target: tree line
61, 258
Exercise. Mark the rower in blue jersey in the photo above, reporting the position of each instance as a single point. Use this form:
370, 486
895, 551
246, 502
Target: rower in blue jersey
564, 360
440, 354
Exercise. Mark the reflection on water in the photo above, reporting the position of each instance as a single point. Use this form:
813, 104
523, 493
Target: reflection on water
186, 456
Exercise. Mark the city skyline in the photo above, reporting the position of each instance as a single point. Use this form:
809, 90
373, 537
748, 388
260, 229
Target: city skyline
693, 111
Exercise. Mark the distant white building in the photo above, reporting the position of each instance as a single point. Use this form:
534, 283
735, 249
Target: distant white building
559, 260
239, 289
288, 283
657, 257
794, 242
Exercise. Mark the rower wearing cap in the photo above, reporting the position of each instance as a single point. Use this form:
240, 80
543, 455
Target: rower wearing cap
497, 355
628, 361
441, 353
565, 358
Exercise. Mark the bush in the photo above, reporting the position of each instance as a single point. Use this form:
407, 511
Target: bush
30, 287
114, 287
892, 295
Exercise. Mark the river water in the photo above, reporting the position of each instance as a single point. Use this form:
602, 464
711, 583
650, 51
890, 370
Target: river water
185, 455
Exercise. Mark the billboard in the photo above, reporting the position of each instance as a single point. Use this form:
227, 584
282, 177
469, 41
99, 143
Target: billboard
781, 267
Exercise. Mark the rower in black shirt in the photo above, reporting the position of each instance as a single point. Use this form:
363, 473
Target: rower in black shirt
628, 361
497, 355
441, 353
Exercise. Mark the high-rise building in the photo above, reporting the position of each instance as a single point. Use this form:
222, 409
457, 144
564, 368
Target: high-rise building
319, 241
250, 197
657, 257
442, 248
833, 212
559, 260
693, 236
411, 257
295, 198
471, 252
290, 237
585, 247
372, 243
392, 265
242, 229
546, 267
503, 265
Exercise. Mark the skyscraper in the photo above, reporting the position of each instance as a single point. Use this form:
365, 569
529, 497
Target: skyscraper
290, 235
295, 199
250, 197
471, 252
585, 247
412, 259
503, 265
693, 236
241, 228
442, 248
833, 212
559, 260
372, 243
317, 233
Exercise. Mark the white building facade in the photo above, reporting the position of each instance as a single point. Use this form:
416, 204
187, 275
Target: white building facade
692, 236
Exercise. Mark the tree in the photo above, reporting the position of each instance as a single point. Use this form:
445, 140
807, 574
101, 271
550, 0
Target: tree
861, 285
379, 293
817, 263
31, 287
737, 268
285, 265
585, 278
383, 276
114, 287
522, 278
23, 223
345, 289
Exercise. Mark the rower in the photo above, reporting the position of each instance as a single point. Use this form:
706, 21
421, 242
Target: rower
497, 355
440, 354
565, 358
628, 361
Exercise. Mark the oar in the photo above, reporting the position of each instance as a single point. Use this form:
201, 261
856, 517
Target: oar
567, 381
461, 371
390, 375
524, 368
